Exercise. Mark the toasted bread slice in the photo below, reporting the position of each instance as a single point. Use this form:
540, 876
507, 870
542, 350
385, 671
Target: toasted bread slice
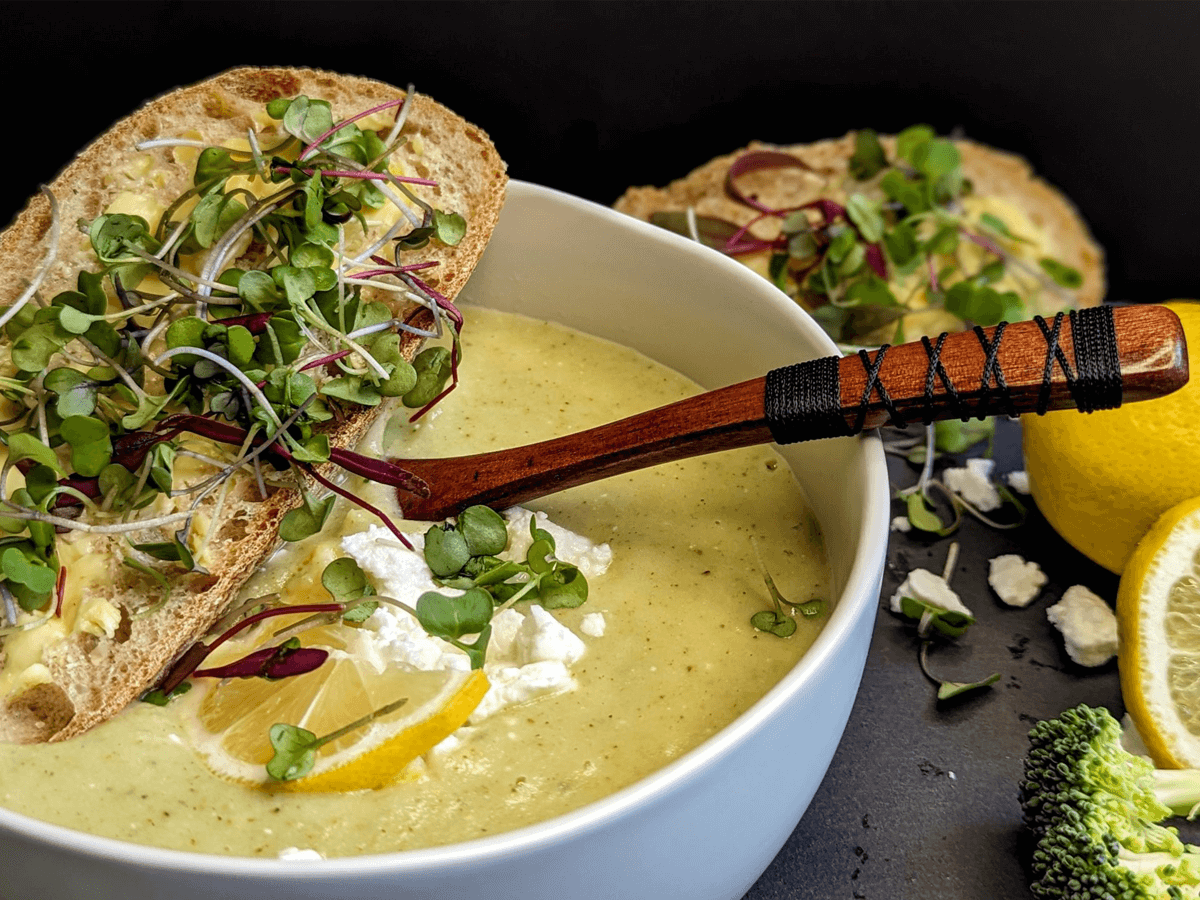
993, 174
88, 677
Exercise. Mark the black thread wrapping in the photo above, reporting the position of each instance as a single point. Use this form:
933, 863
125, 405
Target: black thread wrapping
934, 352
803, 401
1097, 363
1053, 352
877, 386
993, 372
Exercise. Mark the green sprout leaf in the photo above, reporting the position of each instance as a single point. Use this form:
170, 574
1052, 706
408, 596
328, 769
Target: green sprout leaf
454, 617
403, 377
91, 444
868, 159
157, 697
306, 519
1062, 274
21, 566
345, 580
295, 752
76, 392
484, 531
213, 216
564, 587
949, 622
451, 618
450, 228
774, 622
949, 689
432, 366
446, 550
866, 215
22, 446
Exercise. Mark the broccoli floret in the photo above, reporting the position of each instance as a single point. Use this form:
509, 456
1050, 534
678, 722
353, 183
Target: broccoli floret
1093, 810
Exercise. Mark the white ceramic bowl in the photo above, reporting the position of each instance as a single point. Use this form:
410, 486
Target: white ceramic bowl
704, 827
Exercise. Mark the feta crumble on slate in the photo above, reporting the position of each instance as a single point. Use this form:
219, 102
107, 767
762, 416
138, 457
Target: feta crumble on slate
1014, 580
923, 585
1018, 481
1088, 626
974, 484
529, 653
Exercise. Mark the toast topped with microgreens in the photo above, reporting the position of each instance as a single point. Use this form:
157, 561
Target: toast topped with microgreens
201, 315
888, 238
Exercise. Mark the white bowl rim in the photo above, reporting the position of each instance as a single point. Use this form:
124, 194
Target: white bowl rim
858, 590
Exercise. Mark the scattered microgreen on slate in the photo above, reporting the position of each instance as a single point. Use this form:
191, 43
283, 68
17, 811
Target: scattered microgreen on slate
934, 623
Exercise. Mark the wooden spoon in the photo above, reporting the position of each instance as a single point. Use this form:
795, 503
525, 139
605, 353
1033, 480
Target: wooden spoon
1095, 358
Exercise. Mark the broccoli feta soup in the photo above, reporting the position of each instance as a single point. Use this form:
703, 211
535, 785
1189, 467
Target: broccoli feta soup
660, 656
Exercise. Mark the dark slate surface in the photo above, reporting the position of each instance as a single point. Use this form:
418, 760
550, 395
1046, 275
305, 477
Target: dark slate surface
921, 798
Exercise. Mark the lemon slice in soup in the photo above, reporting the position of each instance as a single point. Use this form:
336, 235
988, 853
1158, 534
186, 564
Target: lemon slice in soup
230, 722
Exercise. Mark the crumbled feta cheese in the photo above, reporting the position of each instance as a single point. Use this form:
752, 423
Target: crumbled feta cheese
1014, 580
974, 484
901, 523
297, 853
543, 638
593, 625
592, 559
517, 684
506, 625
923, 585
1018, 481
1088, 626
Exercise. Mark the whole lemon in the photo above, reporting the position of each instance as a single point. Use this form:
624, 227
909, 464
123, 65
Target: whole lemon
1102, 479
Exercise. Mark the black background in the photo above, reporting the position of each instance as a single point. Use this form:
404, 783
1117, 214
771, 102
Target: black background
592, 97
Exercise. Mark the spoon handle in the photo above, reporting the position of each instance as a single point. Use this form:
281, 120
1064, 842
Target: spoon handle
1091, 359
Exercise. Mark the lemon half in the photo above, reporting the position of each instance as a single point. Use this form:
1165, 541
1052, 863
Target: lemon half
1102, 478
1158, 623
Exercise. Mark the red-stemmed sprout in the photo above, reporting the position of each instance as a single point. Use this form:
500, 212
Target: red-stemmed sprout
188, 664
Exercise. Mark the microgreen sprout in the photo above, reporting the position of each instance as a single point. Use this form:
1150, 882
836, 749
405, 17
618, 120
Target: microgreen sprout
296, 748
922, 506
892, 246
271, 345
776, 620
936, 622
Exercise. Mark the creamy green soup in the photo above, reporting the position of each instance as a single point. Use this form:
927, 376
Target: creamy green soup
678, 661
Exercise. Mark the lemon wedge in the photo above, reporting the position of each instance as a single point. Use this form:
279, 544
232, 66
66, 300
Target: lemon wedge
229, 723
1158, 627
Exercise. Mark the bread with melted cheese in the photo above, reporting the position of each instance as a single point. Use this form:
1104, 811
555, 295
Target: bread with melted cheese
88, 677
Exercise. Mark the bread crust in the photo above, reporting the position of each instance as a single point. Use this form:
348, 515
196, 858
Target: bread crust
93, 678
992, 172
